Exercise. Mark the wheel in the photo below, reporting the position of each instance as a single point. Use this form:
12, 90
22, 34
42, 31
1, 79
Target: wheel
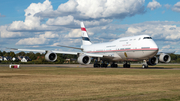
144, 66
126, 66
114, 65
96, 65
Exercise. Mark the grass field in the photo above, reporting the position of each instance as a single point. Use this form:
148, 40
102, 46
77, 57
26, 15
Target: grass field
101, 84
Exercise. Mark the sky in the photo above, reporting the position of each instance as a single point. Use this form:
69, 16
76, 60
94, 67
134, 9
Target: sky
44, 24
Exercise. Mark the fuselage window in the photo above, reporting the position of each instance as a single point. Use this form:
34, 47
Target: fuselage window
147, 38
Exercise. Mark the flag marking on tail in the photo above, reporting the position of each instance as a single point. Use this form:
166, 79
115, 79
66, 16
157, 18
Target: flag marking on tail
83, 29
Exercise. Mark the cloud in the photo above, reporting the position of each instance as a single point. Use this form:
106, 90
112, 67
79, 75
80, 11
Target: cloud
2, 15
66, 20
168, 46
71, 13
32, 22
97, 9
32, 41
6, 34
167, 6
77, 33
49, 35
176, 7
153, 5
41, 39
165, 30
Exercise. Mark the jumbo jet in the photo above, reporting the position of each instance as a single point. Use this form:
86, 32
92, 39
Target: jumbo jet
126, 49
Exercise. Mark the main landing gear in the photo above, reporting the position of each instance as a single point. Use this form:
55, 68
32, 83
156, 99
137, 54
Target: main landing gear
104, 64
97, 64
126, 65
113, 65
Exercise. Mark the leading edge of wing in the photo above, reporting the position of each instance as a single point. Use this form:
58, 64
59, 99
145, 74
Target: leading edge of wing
60, 52
44, 51
166, 52
70, 47
30, 50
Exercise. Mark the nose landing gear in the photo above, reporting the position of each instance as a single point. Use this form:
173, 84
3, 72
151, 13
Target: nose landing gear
145, 65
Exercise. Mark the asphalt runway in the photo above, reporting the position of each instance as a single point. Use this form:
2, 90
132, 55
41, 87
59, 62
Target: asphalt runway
91, 66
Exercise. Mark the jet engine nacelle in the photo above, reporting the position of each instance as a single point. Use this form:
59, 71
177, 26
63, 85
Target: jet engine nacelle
164, 58
51, 56
153, 61
84, 59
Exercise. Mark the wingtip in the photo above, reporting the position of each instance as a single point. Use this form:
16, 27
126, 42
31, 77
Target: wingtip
12, 48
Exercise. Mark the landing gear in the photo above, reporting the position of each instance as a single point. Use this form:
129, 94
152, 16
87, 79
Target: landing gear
97, 64
127, 65
104, 65
145, 65
113, 65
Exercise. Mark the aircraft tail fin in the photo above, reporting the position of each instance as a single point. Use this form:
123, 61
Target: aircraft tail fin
85, 37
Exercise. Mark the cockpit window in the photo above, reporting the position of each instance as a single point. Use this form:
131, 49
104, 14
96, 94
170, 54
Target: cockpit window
147, 38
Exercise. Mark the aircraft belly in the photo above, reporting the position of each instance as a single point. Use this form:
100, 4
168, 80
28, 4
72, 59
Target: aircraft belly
137, 55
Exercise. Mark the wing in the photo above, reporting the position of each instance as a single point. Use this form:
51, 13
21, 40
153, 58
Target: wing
70, 47
166, 52
59, 52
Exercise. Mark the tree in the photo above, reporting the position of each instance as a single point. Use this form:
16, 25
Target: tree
1, 54
31, 55
12, 54
173, 57
21, 54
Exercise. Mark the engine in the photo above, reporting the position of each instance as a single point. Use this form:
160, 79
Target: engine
153, 61
50, 56
164, 58
84, 59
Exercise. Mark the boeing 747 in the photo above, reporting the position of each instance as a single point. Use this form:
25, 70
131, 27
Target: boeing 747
126, 49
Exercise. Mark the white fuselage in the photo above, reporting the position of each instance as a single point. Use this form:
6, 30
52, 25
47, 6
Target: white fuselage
133, 48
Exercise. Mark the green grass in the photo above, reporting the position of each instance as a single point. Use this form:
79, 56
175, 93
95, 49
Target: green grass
101, 84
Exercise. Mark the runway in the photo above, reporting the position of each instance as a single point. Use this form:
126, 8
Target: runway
133, 66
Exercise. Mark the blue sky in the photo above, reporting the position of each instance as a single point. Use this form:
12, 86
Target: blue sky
43, 24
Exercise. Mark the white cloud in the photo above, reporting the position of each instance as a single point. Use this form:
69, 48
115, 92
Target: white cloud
71, 13
6, 34
86, 9
77, 33
176, 7
66, 20
48, 35
32, 22
69, 6
41, 39
156, 29
153, 5
32, 41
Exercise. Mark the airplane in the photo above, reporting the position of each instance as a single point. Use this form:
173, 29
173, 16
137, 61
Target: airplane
126, 49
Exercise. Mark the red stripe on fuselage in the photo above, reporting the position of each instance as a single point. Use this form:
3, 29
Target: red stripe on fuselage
123, 50
83, 29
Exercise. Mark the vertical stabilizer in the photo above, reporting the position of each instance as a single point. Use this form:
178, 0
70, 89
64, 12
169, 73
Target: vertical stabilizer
85, 38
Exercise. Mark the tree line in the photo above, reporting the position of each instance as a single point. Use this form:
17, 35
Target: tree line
37, 58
